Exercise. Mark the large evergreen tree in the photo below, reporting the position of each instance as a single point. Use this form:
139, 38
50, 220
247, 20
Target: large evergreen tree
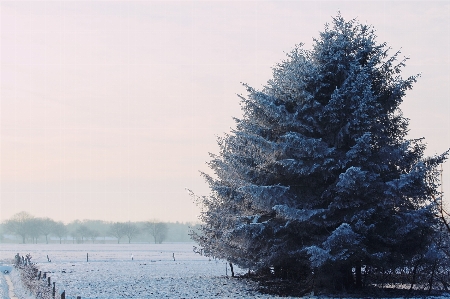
318, 175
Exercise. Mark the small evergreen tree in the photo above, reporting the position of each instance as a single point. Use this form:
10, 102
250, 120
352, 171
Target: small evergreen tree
318, 176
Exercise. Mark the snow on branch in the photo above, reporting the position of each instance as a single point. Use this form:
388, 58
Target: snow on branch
288, 213
265, 197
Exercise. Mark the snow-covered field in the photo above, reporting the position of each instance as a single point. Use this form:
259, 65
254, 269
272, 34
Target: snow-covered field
111, 273
3, 287
153, 272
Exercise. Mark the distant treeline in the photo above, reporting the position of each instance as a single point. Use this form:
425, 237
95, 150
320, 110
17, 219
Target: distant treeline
25, 228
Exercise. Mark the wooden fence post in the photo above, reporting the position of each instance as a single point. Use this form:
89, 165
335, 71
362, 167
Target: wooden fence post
63, 295
87, 257
48, 279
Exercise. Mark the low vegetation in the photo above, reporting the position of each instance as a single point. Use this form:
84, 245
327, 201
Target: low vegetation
31, 280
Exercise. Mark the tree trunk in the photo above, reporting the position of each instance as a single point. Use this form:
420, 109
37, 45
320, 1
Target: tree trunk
445, 285
358, 276
232, 271
413, 282
347, 277
432, 278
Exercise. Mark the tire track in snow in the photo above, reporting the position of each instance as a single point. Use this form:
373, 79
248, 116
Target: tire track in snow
11, 293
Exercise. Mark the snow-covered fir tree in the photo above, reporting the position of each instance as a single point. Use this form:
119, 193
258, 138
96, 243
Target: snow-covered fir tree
318, 175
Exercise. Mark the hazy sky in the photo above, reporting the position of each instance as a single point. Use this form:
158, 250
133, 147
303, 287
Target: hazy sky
109, 109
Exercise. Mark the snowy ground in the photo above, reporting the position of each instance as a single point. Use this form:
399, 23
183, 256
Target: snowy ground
3, 287
110, 272
153, 273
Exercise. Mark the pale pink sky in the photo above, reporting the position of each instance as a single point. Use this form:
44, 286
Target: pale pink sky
109, 109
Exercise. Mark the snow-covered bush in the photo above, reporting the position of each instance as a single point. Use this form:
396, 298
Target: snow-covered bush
28, 273
318, 176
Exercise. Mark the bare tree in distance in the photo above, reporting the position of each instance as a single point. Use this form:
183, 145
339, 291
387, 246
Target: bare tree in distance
35, 229
101, 227
93, 234
84, 232
117, 230
2, 231
157, 229
59, 230
130, 230
46, 227
19, 224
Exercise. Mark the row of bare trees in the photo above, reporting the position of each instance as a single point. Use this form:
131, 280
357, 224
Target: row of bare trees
26, 226
30, 228
158, 230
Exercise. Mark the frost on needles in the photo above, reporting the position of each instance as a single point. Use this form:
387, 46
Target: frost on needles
318, 183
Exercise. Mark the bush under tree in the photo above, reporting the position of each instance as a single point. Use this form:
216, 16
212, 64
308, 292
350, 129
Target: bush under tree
318, 183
